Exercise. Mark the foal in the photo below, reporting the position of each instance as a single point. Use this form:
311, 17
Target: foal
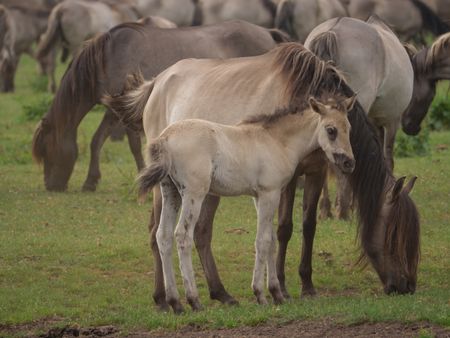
258, 157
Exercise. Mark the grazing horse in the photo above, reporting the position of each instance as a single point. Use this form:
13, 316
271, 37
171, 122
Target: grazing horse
388, 219
20, 28
259, 12
194, 158
299, 17
102, 67
431, 65
73, 22
406, 17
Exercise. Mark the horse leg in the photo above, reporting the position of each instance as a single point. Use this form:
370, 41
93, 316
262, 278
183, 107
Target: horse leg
134, 141
313, 186
325, 203
202, 238
266, 205
343, 196
284, 233
184, 233
102, 133
272, 279
159, 293
164, 238
8, 73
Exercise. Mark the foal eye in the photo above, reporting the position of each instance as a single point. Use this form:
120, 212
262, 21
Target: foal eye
332, 133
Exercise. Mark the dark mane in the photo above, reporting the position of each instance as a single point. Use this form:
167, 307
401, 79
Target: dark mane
402, 236
368, 179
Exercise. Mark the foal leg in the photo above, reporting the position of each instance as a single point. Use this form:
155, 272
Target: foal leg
285, 225
97, 142
313, 187
266, 205
184, 233
202, 237
159, 293
164, 238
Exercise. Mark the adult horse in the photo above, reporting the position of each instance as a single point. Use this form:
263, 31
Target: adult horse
406, 17
181, 12
259, 12
20, 28
299, 17
431, 65
102, 68
224, 91
73, 22
381, 74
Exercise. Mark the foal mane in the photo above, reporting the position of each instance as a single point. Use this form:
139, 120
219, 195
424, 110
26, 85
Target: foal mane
437, 50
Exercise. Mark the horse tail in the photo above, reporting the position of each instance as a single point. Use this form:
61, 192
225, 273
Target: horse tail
279, 36
325, 46
130, 105
53, 35
430, 19
270, 6
157, 170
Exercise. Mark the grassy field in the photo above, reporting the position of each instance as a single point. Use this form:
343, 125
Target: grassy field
83, 258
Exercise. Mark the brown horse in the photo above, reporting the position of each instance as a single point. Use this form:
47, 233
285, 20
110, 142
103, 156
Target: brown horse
223, 91
431, 65
102, 68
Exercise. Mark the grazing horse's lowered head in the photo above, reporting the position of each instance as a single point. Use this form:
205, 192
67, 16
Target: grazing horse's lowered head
430, 65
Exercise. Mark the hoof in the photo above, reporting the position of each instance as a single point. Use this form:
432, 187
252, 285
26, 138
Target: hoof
223, 297
176, 306
276, 295
195, 304
89, 187
309, 293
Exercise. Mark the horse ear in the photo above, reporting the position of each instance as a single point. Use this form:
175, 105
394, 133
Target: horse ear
349, 103
316, 106
410, 185
397, 188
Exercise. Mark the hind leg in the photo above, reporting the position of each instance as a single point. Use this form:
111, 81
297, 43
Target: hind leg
134, 141
184, 234
102, 133
202, 237
164, 238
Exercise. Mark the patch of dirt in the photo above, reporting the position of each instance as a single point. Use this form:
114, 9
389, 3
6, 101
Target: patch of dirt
324, 328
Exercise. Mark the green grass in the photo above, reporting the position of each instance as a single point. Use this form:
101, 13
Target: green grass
84, 257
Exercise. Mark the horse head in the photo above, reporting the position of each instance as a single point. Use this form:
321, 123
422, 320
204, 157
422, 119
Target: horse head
394, 247
430, 65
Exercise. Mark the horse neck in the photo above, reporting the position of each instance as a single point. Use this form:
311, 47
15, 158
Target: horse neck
298, 133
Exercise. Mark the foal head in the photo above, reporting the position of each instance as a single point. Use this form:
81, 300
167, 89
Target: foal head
334, 131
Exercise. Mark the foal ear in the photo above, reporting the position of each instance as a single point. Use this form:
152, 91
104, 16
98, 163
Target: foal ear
317, 106
397, 188
349, 103
410, 185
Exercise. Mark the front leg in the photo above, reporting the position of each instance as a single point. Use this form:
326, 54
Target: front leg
97, 142
389, 140
266, 205
311, 195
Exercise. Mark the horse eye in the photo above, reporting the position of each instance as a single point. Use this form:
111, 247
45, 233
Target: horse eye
332, 133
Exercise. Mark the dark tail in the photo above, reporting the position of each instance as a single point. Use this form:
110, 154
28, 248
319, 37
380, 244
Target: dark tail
157, 170
325, 46
271, 7
52, 36
197, 19
430, 20
284, 18
130, 105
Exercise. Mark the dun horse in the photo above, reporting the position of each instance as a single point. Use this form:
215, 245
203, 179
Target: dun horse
431, 65
102, 68
258, 157
224, 91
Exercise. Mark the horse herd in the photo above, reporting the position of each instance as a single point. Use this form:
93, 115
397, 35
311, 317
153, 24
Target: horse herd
235, 108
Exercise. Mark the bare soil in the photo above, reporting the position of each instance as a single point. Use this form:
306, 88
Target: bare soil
323, 328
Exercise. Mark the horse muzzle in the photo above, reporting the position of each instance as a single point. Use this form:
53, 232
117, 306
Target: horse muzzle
345, 163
